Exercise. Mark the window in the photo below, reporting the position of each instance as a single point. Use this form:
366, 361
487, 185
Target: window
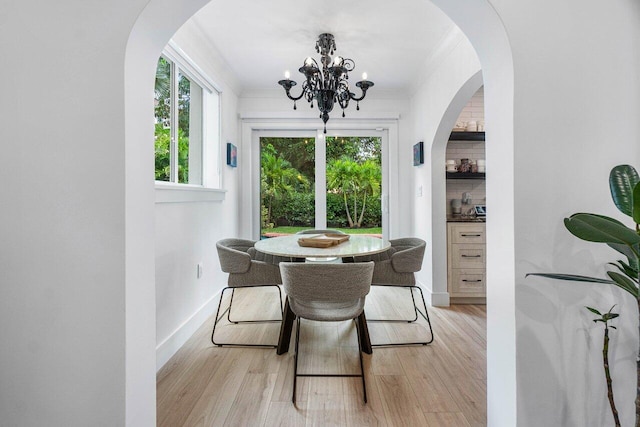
187, 124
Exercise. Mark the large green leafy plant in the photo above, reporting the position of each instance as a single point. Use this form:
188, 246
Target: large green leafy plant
625, 192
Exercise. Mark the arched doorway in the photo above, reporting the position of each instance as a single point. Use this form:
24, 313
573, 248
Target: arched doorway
159, 20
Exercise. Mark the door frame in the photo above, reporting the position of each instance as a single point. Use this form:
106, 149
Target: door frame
249, 161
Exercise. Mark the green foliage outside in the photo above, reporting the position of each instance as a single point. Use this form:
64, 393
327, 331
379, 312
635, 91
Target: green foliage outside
353, 182
163, 123
294, 230
163, 157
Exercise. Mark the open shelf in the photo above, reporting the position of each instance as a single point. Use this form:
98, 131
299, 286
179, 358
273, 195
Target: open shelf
466, 136
465, 175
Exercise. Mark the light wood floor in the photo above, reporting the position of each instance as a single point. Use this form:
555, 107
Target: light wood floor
443, 384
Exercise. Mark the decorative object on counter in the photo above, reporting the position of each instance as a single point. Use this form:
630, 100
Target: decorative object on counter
465, 166
460, 127
329, 85
451, 166
456, 206
481, 165
480, 126
232, 155
466, 198
474, 166
418, 154
472, 126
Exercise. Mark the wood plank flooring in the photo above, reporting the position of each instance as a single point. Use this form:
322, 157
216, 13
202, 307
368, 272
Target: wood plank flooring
439, 385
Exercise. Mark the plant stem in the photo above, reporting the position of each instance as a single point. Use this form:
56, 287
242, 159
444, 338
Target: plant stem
605, 357
638, 377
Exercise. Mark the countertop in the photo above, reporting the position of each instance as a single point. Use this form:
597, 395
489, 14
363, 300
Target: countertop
458, 218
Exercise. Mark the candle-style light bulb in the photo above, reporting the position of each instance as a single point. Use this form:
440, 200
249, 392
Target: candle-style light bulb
337, 60
287, 74
308, 62
364, 76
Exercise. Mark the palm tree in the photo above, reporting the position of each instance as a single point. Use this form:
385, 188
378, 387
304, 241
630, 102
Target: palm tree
369, 177
278, 178
354, 180
340, 178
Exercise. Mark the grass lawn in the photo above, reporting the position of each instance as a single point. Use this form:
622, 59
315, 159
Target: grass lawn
294, 230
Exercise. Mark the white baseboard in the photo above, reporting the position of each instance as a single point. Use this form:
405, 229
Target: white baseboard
167, 348
440, 299
436, 299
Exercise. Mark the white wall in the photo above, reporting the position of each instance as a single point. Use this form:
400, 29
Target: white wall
186, 232
575, 62
430, 105
75, 256
62, 261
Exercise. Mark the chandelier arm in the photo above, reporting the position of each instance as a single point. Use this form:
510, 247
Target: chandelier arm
363, 85
294, 98
348, 64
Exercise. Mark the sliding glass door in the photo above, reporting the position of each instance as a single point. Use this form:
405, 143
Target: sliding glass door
309, 180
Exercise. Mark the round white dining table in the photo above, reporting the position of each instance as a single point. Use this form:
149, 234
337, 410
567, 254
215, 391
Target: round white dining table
287, 246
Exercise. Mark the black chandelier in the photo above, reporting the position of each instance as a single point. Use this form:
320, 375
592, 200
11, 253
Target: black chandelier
329, 85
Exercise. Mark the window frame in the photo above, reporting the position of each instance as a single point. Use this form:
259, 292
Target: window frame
208, 148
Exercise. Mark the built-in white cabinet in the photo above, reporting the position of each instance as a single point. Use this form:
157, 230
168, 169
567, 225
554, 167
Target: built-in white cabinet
466, 256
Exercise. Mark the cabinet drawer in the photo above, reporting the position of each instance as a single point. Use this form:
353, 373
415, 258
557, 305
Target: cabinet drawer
467, 233
468, 283
468, 256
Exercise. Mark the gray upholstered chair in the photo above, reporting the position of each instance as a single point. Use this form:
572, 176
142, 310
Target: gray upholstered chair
247, 268
327, 293
395, 268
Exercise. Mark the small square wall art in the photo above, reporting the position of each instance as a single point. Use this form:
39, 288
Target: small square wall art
232, 155
418, 154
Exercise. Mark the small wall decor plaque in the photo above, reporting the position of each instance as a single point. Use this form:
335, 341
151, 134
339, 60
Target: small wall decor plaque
232, 155
418, 154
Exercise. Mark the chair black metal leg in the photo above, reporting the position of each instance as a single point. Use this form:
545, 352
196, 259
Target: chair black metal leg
235, 322
295, 361
217, 319
295, 364
364, 386
415, 307
425, 315
220, 316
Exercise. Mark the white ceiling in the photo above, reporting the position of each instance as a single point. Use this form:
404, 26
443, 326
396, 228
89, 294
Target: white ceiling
392, 41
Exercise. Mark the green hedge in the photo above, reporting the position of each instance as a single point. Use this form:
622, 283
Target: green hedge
299, 209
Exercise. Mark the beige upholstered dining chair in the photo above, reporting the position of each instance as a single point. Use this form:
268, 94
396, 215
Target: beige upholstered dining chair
247, 268
327, 293
396, 267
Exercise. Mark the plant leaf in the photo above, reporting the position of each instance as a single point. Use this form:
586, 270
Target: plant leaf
594, 311
622, 180
628, 252
624, 282
597, 228
572, 278
635, 206
625, 269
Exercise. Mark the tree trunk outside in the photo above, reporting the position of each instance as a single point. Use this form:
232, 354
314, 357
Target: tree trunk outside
346, 208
